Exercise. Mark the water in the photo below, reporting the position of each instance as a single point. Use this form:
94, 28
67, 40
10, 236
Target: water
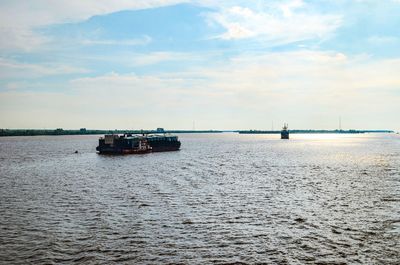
224, 198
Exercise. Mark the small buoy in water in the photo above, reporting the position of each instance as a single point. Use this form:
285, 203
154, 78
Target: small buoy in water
76, 151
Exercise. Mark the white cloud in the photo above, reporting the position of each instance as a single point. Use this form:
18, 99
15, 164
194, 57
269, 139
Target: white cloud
127, 89
278, 24
159, 57
132, 42
13, 69
45, 12
154, 58
288, 7
305, 88
120, 81
19, 19
20, 38
129, 59
383, 40
302, 71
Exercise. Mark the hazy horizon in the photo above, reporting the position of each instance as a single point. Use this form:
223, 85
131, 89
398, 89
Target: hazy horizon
231, 65
195, 129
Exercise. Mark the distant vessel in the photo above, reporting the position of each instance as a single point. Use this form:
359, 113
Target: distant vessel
285, 131
137, 144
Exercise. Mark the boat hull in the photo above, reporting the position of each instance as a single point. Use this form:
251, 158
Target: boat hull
165, 147
284, 135
110, 151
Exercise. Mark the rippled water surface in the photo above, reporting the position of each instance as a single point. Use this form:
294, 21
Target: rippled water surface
223, 198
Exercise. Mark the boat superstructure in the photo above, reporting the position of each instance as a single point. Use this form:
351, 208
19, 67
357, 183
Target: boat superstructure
137, 144
123, 144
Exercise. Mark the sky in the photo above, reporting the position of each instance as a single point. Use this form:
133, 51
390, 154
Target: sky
143, 64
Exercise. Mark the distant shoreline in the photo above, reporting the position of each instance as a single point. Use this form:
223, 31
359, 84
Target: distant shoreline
317, 131
37, 132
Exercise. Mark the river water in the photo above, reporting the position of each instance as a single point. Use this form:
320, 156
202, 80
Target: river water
223, 198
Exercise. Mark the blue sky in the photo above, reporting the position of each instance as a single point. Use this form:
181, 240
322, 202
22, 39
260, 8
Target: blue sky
226, 65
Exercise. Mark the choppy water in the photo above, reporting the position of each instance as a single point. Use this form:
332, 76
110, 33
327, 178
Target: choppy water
224, 198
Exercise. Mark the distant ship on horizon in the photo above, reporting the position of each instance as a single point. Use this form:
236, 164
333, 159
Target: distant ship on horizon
285, 131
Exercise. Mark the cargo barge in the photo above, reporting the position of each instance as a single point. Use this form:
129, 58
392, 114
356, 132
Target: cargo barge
137, 144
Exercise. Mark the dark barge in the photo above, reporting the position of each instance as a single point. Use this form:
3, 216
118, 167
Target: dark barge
136, 144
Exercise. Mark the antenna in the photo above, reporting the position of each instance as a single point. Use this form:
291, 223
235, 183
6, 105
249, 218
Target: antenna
340, 123
272, 125
194, 127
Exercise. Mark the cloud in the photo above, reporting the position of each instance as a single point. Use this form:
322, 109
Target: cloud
305, 88
277, 24
119, 81
163, 56
318, 74
288, 7
383, 40
13, 69
132, 42
127, 89
21, 19
45, 12
132, 59
16, 38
